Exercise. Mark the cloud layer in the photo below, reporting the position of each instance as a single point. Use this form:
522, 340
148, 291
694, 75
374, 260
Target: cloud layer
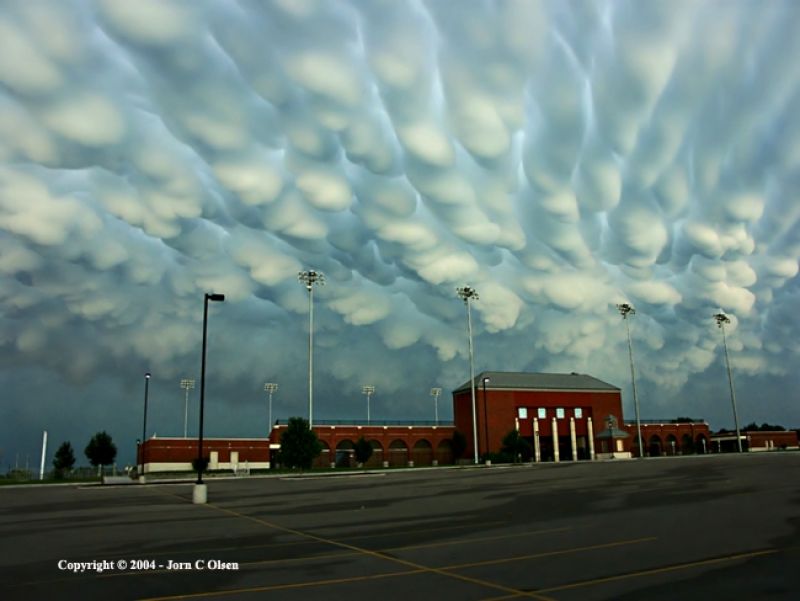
559, 157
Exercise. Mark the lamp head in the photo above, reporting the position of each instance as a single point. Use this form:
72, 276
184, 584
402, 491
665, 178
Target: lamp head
147, 376
215, 297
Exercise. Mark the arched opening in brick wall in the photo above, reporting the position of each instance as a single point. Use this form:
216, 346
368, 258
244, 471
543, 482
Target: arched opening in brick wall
397, 456
687, 445
344, 453
444, 452
701, 444
324, 458
376, 460
654, 446
672, 445
422, 453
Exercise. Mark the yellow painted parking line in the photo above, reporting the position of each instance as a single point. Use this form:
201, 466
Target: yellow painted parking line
663, 570
295, 543
478, 539
490, 562
414, 567
289, 586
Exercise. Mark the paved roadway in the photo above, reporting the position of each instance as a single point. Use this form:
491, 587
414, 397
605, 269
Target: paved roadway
710, 527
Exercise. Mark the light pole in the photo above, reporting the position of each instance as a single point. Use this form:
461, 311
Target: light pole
187, 385
369, 390
310, 278
270, 387
144, 425
625, 310
435, 392
721, 320
485, 414
199, 489
467, 294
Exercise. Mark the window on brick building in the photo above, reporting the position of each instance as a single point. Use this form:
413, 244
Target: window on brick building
578, 413
522, 412
542, 413
560, 413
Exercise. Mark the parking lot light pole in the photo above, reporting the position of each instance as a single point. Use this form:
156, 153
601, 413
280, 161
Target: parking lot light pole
144, 425
721, 320
468, 294
200, 496
485, 380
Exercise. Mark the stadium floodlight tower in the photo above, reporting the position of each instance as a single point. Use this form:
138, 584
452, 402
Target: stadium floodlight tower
721, 320
625, 310
435, 392
309, 279
269, 388
368, 390
468, 294
187, 384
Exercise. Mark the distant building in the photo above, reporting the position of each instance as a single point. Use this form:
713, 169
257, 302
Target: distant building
565, 417
177, 454
755, 441
394, 444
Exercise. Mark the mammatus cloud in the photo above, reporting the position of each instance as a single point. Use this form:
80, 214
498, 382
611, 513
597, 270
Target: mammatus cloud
559, 157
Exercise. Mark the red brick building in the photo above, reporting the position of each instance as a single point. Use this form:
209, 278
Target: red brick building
565, 417
394, 444
177, 454
561, 415
755, 441
670, 437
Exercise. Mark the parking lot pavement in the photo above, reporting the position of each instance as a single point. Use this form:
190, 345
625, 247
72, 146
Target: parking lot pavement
690, 527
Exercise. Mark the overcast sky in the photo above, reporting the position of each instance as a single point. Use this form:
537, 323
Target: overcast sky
560, 157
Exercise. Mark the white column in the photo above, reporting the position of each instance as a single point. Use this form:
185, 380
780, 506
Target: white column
556, 456
590, 431
44, 454
572, 439
537, 447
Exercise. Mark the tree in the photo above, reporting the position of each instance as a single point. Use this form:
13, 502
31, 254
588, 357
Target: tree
64, 459
299, 444
101, 450
362, 450
516, 446
458, 444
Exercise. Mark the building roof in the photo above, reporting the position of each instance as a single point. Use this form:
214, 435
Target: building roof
509, 380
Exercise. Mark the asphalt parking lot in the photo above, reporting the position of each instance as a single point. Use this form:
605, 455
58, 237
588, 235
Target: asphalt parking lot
686, 527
